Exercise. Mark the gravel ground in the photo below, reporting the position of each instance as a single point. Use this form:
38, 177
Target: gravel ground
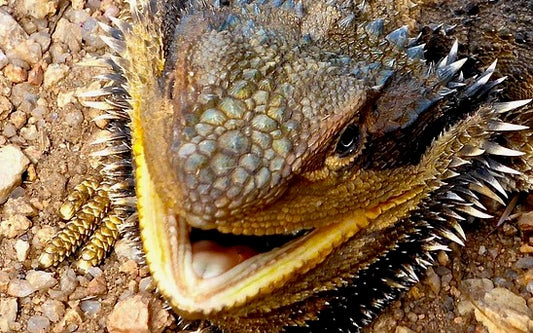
44, 152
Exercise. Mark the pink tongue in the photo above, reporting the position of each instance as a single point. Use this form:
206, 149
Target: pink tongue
210, 259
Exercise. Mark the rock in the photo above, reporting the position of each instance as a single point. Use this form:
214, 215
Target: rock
8, 313
74, 118
4, 281
97, 286
160, 318
68, 281
38, 324
41, 8
53, 74
147, 284
29, 133
403, 329
3, 59
36, 75
11, 33
5, 107
524, 262
90, 307
14, 226
500, 310
69, 34
443, 258
72, 318
128, 316
41, 280
18, 206
21, 248
18, 118
433, 280
15, 74
13, 163
129, 267
20, 288
53, 310
476, 288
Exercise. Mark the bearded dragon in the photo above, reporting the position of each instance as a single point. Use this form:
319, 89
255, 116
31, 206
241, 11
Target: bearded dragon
297, 164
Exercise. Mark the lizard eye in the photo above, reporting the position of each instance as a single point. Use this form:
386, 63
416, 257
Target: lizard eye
349, 141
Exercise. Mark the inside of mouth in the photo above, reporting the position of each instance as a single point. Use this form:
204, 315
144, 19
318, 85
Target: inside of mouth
214, 253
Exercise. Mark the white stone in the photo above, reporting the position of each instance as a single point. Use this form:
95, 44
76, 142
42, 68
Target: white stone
54, 73
8, 313
12, 164
22, 247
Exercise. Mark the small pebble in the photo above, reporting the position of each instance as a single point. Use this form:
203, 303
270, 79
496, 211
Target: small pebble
524, 262
90, 307
14, 226
41, 280
3, 59
53, 310
15, 74
8, 313
53, 74
146, 284
18, 118
36, 75
20, 288
68, 281
13, 163
443, 258
19, 206
74, 118
97, 286
129, 267
21, 248
129, 315
29, 133
40, 9
38, 324
433, 280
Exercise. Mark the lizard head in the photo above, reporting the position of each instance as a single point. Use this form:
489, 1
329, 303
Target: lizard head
272, 147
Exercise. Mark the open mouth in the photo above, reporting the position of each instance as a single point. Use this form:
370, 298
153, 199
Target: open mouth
214, 253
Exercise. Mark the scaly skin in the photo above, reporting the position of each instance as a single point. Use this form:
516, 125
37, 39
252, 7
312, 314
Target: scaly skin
321, 122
